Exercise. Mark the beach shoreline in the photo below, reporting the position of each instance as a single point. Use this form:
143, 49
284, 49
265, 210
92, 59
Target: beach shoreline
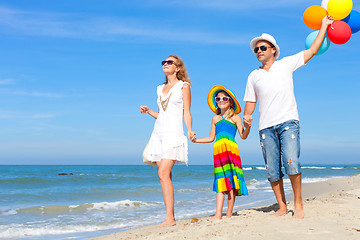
332, 211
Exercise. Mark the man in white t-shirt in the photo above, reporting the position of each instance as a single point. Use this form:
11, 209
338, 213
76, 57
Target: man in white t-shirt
271, 85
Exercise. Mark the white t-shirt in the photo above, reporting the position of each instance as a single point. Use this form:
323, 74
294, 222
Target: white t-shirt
274, 90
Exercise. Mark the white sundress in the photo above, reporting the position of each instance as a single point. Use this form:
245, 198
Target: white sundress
167, 139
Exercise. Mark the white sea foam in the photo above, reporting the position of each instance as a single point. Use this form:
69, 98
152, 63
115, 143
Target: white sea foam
110, 206
312, 180
20, 230
9, 212
313, 167
193, 190
247, 168
254, 184
260, 168
337, 168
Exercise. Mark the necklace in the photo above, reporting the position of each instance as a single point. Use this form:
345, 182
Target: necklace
165, 103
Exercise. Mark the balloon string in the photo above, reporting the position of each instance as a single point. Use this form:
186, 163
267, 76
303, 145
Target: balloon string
331, 26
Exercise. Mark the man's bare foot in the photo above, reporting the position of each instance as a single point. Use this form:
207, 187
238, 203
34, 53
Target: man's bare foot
298, 213
168, 223
280, 212
229, 215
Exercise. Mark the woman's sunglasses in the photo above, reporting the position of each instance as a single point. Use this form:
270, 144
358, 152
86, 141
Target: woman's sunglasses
262, 48
168, 62
224, 99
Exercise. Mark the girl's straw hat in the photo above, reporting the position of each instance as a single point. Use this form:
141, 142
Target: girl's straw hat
212, 94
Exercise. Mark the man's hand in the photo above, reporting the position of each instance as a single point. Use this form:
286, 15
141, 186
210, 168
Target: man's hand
247, 120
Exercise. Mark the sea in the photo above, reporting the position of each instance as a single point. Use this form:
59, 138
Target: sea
82, 201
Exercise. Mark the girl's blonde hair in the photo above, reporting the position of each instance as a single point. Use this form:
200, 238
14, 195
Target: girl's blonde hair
182, 73
232, 112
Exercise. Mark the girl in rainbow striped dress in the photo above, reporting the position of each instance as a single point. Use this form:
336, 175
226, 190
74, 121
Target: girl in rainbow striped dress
229, 178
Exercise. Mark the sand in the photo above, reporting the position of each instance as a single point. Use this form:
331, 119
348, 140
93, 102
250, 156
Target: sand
332, 211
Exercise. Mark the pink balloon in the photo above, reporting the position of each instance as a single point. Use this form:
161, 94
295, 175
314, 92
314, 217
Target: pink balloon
339, 32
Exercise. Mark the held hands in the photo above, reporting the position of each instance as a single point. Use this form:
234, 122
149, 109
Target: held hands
192, 136
144, 109
247, 120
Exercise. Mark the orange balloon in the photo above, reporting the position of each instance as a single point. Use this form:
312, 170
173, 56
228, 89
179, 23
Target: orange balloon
313, 16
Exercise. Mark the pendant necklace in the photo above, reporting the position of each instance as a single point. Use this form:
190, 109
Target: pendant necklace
165, 103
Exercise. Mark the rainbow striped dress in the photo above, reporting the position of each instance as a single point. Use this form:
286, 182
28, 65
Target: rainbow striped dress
227, 163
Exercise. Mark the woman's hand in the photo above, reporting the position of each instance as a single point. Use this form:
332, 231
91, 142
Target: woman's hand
144, 109
192, 135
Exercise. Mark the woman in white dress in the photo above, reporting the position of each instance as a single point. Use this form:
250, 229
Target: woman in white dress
167, 144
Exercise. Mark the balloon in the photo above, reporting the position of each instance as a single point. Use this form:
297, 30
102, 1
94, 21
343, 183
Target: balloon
354, 21
313, 16
339, 9
324, 3
339, 32
310, 39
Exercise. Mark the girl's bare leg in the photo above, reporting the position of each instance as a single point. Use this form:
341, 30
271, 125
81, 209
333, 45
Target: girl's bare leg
220, 197
231, 202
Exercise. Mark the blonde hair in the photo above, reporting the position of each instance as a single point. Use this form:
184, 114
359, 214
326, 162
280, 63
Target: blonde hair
182, 73
232, 111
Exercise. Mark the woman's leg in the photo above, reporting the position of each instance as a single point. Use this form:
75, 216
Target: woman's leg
165, 177
231, 202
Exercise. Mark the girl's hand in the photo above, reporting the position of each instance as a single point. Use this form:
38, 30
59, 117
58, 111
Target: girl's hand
144, 109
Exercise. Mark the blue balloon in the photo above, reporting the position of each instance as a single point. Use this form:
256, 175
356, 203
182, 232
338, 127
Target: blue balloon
310, 39
353, 20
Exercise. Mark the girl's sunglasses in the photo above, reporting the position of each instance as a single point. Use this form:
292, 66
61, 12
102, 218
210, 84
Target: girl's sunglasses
168, 62
262, 48
224, 99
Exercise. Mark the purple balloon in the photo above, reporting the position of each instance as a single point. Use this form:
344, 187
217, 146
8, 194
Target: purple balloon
353, 20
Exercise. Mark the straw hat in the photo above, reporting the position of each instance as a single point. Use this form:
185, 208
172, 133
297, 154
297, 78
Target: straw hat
212, 94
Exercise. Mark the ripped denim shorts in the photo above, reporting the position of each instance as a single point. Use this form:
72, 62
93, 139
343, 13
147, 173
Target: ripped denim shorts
281, 144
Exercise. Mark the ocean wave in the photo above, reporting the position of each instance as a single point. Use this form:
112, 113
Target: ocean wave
337, 168
254, 184
83, 208
22, 230
312, 180
247, 168
24, 180
192, 190
313, 167
260, 168
110, 206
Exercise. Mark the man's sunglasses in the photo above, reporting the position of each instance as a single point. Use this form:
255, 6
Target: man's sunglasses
262, 48
224, 99
168, 62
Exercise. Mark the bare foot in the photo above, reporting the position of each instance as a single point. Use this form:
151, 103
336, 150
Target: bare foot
215, 218
280, 212
167, 223
298, 213
229, 215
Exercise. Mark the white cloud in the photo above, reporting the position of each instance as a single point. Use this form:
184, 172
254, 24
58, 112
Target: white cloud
6, 81
30, 116
232, 5
106, 29
38, 94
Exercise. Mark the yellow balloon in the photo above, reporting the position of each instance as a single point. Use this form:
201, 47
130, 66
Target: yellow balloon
339, 9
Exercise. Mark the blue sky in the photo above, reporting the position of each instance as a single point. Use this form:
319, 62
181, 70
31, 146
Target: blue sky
74, 73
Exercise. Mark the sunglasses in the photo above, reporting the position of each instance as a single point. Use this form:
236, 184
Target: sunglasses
168, 62
262, 48
224, 99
